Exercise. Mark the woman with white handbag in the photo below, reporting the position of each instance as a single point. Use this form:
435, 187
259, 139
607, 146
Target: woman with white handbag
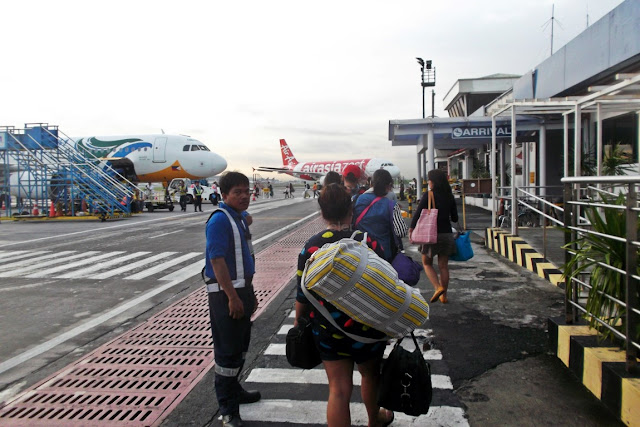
442, 199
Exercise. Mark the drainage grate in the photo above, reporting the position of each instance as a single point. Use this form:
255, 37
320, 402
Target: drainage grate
139, 377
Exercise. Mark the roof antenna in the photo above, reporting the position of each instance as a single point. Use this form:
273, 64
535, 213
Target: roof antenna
552, 21
587, 14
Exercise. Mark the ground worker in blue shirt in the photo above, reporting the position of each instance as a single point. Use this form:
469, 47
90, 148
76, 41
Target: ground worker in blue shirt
229, 270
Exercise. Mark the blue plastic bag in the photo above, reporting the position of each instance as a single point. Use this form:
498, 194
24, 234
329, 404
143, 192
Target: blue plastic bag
463, 246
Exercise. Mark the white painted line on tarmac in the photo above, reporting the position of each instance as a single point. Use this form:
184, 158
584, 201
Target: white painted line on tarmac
315, 412
162, 266
21, 254
48, 345
29, 261
131, 224
185, 272
280, 350
319, 376
166, 234
283, 229
87, 272
284, 329
20, 271
131, 266
50, 271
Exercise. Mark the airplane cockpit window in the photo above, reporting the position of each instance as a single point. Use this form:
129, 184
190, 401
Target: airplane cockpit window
195, 148
186, 148
204, 148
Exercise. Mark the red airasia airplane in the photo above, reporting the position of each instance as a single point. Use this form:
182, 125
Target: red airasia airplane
316, 170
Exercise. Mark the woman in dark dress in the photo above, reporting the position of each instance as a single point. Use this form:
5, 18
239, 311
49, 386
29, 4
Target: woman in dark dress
446, 246
337, 351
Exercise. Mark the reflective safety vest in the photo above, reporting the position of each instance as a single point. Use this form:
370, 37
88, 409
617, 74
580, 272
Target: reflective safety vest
239, 282
197, 191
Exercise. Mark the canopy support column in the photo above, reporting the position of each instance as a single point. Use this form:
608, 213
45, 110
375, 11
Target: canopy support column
492, 157
542, 139
577, 142
565, 134
514, 201
431, 151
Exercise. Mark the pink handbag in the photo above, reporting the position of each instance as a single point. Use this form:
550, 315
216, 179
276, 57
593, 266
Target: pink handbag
426, 230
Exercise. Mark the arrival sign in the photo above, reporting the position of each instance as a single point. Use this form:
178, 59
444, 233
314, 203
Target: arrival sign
480, 132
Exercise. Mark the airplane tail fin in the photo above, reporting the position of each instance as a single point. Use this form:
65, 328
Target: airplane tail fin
288, 159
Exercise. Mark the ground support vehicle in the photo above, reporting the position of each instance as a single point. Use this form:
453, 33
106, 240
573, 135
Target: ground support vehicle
207, 191
157, 197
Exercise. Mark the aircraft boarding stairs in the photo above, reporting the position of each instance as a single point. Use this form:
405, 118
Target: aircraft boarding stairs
49, 169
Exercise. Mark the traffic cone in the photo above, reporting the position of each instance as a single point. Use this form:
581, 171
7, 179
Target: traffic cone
35, 212
52, 210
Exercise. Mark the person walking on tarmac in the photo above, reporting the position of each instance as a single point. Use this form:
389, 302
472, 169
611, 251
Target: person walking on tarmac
182, 190
197, 200
231, 296
315, 189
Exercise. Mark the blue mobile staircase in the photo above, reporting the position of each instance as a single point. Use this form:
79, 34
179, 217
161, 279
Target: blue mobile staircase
46, 169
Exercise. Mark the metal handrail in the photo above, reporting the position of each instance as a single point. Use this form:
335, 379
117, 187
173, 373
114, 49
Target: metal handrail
629, 275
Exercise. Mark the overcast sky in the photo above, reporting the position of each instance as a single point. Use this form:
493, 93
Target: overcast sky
239, 75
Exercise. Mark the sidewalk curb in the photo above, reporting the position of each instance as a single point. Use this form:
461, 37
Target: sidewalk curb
515, 249
599, 366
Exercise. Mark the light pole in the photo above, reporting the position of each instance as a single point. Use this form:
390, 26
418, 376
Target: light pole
428, 80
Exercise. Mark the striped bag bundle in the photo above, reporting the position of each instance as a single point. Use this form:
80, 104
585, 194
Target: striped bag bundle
365, 287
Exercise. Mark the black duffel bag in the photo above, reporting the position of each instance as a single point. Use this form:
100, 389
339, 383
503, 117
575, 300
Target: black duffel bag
301, 348
405, 383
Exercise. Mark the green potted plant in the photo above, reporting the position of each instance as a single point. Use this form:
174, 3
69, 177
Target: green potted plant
591, 250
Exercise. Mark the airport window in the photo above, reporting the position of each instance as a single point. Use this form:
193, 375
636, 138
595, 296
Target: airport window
186, 148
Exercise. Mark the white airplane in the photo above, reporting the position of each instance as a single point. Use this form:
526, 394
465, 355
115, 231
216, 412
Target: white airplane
143, 158
154, 158
317, 170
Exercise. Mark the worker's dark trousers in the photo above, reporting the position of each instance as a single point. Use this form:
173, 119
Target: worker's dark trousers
230, 344
197, 203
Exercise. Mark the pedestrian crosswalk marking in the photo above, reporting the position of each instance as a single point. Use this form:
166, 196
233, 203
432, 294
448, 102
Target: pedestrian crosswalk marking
95, 265
129, 267
274, 349
88, 271
314, 412
186, 272
153, 270
49, 272
20, 254
19, 271
28, 261
319, 376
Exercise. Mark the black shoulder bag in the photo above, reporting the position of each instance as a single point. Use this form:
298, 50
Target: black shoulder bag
301, 348
405, 383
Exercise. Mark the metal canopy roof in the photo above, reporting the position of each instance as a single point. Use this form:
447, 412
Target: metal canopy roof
620, 97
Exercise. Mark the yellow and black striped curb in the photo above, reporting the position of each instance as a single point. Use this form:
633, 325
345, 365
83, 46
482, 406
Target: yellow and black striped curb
600, 366
517, 250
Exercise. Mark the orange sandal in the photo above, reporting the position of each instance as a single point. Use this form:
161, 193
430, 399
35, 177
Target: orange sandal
437, 294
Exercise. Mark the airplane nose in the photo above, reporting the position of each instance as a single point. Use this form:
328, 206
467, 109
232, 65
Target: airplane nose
218, 164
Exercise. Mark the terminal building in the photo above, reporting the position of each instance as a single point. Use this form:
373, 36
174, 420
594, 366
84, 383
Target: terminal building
572, 113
